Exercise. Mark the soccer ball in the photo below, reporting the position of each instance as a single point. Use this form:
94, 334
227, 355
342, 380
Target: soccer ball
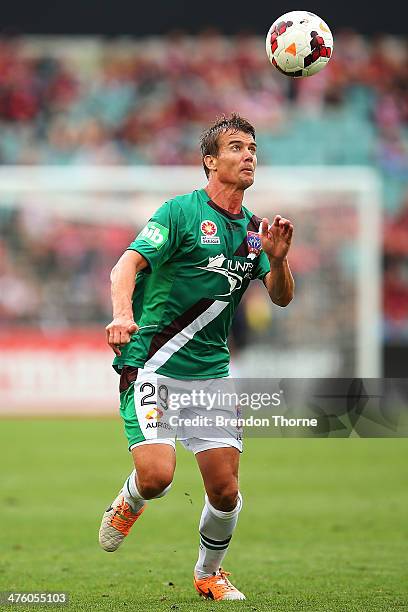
299, 44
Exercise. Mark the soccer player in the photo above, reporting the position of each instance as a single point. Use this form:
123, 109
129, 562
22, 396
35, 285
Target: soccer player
174, 294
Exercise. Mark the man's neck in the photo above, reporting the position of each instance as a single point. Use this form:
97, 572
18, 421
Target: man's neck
226, 196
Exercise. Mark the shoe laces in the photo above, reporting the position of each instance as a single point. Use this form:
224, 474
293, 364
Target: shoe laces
223, 575
123, 518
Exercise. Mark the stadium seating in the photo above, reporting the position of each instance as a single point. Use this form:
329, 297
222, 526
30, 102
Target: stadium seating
91, 101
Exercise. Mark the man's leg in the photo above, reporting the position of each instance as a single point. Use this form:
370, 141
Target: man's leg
151, 478
223, 502
154, 458
154, 470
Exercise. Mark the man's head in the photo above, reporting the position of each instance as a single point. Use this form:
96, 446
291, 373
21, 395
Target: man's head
228, 151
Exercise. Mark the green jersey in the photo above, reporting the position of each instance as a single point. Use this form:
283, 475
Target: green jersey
201, 260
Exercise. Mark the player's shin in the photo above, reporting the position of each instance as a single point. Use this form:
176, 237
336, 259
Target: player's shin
216, 529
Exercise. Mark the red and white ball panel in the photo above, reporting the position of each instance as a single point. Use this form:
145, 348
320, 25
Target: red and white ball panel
299, 44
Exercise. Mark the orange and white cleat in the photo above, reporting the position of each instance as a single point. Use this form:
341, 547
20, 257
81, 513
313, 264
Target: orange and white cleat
217, 587
116, 523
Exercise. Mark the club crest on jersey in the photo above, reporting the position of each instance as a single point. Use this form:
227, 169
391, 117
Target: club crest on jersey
254, 244
209, 230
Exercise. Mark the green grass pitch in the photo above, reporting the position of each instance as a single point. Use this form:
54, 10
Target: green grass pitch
324, 524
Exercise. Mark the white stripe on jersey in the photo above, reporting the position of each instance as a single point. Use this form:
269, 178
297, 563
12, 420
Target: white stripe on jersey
185, 335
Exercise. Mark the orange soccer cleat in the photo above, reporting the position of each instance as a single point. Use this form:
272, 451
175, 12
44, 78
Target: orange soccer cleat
116, 523
217, 587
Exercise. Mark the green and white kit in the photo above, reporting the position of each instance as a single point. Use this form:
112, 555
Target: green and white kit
201, 260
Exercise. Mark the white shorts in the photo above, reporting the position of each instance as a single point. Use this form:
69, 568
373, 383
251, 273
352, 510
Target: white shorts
160, 410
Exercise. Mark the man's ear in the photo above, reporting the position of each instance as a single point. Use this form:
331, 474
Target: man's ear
211, 162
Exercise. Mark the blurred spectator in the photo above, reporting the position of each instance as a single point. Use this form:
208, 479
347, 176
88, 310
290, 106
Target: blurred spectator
54, 272
146, 101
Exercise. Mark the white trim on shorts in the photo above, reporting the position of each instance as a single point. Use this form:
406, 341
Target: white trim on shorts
198, 445
167, 441
195, 445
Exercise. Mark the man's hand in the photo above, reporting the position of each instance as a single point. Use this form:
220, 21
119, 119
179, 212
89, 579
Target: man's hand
119, 332
277, 238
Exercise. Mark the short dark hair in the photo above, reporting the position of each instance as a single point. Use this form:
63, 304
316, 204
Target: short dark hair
209, 138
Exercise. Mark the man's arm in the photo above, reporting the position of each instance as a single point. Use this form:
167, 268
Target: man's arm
279, 282
276, 241
123, 278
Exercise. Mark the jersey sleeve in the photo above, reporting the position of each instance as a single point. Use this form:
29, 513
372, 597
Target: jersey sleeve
262, 267
162, 235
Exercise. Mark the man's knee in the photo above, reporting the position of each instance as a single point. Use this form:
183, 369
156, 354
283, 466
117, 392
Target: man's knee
155, 464
151, 485
224, 496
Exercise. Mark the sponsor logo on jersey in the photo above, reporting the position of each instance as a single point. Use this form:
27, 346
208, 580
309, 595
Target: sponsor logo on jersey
154, 414
254, 244
234, 271
209, 229
158, 424
155, 234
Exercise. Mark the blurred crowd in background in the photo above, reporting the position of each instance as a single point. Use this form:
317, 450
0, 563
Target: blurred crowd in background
146, 101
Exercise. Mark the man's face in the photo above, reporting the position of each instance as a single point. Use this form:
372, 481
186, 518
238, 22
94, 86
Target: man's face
236, 160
